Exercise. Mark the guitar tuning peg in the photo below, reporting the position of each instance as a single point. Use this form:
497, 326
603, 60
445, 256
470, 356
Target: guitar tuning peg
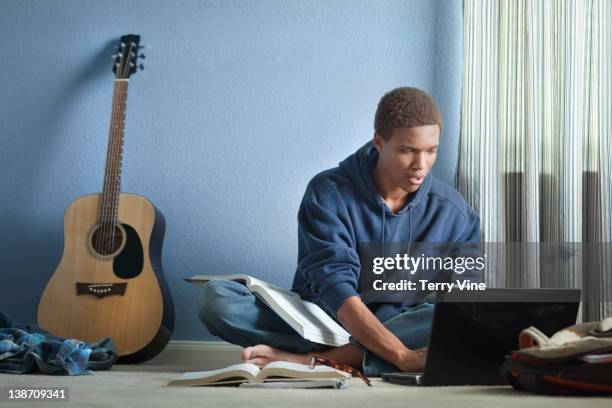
142, 56
141, 67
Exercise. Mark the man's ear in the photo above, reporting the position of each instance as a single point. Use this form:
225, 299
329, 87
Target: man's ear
378, 141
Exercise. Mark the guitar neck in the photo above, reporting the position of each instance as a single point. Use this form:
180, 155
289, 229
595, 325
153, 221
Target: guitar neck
112, 174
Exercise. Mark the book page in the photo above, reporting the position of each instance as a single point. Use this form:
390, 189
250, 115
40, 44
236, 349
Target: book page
271, 287
299, 367
247, 371
282, 369
201, 280
305, 317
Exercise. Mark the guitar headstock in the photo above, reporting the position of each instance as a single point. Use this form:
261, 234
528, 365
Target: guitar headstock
126, 59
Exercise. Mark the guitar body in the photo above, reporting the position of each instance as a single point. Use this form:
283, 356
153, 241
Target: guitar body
121, 294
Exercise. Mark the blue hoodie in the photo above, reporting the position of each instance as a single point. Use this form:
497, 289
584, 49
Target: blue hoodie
341, 208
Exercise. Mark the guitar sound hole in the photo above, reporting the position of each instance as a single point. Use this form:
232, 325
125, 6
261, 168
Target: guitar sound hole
106, 239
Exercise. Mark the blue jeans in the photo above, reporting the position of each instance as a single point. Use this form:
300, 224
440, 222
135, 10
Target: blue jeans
232, 312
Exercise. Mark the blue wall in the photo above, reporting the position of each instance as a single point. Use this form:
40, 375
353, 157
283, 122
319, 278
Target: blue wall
240, 104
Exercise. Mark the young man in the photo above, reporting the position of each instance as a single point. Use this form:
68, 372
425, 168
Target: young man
384, 192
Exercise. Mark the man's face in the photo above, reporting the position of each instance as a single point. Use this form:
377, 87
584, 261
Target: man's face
408, 155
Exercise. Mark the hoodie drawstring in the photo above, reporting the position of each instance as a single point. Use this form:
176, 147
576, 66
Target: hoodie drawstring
382, 207
409, 224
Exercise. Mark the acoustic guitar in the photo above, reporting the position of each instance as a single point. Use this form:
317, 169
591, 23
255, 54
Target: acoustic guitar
109, 282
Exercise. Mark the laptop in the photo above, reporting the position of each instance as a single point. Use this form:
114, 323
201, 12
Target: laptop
473, 331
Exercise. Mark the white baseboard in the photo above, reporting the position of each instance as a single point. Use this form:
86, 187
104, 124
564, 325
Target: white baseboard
202, 355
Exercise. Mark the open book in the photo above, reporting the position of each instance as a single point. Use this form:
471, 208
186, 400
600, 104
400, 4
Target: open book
243, 373
308, 319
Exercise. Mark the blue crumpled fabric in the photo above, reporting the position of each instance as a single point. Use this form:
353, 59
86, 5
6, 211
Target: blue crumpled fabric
29, 349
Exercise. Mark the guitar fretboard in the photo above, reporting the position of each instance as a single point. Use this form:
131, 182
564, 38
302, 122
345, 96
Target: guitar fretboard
112, 174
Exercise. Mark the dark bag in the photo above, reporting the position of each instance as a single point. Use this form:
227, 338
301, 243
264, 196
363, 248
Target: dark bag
558, 378
575, 360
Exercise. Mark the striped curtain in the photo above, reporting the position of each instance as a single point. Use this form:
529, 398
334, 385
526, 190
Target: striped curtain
536, 149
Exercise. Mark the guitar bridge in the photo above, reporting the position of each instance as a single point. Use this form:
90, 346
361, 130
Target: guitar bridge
100, 290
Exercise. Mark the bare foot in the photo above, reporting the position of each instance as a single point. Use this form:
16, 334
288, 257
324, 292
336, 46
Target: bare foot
260, 355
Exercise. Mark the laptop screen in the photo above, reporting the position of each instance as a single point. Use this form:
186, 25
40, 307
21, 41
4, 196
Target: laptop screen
472, 333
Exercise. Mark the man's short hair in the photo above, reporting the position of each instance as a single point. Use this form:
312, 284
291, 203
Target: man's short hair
404, 108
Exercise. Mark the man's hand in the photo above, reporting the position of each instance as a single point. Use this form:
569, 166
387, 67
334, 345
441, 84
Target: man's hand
413, 361
372, 334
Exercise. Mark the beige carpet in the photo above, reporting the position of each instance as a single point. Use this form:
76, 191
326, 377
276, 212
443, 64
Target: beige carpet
142, 386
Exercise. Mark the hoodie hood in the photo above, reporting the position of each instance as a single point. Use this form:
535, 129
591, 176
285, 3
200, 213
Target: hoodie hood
359, 168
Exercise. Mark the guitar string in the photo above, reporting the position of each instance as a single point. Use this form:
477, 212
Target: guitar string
108, 225
103, 228
100, 228
122, 106
114, 222
110, 200
102, 221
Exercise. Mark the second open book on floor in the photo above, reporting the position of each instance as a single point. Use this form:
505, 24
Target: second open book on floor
277, 371
306, 318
